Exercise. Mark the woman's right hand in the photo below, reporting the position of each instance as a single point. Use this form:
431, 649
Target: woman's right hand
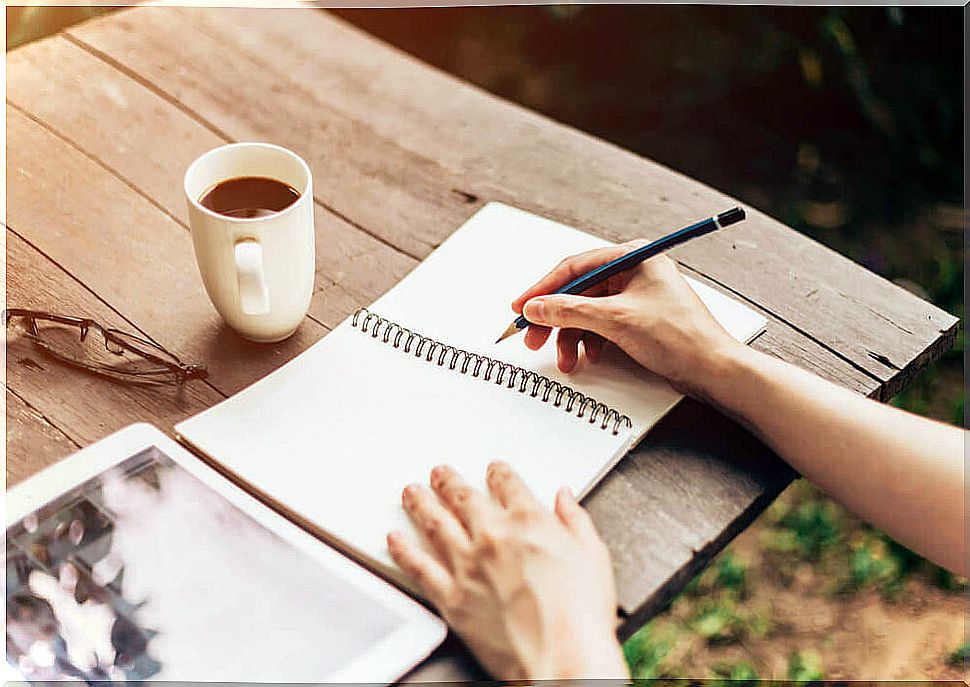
650, 312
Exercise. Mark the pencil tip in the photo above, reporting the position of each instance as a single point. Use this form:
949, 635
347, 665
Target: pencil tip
512, 329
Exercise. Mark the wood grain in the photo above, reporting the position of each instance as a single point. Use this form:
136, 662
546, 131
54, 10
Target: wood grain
353, 267
127, 251
358, 172
680, 501
114, 121
103, 120
82, 125
82, 406
33, 443
122, 46
504, 152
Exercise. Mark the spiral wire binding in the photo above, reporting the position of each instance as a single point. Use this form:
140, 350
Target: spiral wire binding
485, 367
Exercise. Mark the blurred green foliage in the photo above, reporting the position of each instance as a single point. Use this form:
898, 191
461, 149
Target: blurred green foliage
725, 606
961, 655
805, 666
810, 529
718, 622
644, 652
740, 674
871, 565
845, 123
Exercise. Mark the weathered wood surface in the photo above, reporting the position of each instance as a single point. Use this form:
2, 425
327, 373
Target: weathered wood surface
33, 443
103, 120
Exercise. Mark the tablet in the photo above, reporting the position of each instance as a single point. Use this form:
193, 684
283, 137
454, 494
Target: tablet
133, 560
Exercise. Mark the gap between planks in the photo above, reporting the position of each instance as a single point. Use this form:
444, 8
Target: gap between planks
117, 175
881, 386
209, 126
198, 118
44, 256
127, 74
41, 417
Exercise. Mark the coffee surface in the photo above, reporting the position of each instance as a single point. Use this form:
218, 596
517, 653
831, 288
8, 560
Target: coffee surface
249, 197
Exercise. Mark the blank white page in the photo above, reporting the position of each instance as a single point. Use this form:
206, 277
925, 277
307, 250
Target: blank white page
334, 435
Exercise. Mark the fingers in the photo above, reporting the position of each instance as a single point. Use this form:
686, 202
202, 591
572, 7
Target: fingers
568, 270
536, 335
430, 575
572, 515
445, 534
593, 346
508, 488
574, 312
567, 349
470, 506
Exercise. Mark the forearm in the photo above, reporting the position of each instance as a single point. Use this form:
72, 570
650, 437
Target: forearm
902, 473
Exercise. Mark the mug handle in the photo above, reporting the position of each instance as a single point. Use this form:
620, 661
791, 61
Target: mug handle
253, 294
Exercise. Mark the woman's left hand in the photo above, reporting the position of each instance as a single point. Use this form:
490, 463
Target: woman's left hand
529, 590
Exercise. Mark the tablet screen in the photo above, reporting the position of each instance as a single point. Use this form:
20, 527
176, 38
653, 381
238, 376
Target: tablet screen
145, 572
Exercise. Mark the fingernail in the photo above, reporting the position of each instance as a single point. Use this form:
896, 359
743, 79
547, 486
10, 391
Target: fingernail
495, 469
535, 310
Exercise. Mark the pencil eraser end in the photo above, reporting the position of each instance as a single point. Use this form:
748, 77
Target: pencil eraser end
730, 216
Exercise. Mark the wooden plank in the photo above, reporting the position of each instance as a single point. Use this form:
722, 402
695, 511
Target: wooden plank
92, 407
115, 121
678, 501
353, 268
400, 97
357, 171
82, 406
724, 508
128, 252
300, 106
738, 488
506, 152
33, 443
783, 342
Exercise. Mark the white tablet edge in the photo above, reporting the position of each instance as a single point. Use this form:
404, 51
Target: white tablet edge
386, 661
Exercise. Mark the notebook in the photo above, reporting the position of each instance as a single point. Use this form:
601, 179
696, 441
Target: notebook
415, 380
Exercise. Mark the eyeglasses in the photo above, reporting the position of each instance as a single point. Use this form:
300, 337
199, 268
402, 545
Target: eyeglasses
112, 352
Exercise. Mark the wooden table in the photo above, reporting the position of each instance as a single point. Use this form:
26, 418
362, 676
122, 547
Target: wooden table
103, 119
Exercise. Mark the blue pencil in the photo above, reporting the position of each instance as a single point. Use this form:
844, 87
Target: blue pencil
634, 258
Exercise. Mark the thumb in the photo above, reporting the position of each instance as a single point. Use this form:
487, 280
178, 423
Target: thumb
573, 312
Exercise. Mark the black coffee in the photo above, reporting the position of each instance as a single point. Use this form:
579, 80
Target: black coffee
249, 197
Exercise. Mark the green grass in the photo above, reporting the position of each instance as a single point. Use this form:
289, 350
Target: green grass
732, 574
814, 528
739, 674
644, 651
718, 623
724, 607
805, 666
960, 656
872, 564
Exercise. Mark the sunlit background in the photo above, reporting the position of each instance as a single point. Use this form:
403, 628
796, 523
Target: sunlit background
845, 124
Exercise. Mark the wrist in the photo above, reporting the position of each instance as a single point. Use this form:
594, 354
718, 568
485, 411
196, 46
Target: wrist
724, 371
601, 660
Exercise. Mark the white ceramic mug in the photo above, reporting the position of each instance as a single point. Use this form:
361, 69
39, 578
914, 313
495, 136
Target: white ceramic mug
258, 271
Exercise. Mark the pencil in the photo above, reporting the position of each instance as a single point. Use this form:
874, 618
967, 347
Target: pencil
634, 258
